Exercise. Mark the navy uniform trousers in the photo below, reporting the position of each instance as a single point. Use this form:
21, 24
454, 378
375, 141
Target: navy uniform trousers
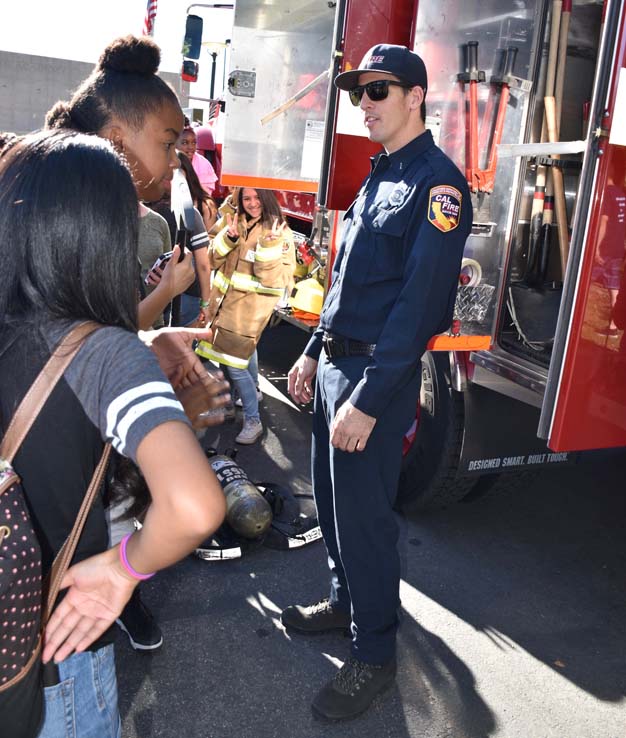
354, 494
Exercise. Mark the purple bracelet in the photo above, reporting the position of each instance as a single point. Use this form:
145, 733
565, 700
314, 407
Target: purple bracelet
126, 564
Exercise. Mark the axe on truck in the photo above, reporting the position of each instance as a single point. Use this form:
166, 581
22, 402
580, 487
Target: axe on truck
182, 207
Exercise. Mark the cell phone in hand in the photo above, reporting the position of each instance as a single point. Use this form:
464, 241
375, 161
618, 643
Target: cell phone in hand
160, 262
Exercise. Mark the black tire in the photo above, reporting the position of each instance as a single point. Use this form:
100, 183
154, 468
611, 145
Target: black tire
428, 479
490, 485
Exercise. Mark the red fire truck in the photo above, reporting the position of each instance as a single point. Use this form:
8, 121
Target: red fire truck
529, 99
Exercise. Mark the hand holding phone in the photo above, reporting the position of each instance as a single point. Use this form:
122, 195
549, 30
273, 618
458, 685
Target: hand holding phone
178, 274
158, 265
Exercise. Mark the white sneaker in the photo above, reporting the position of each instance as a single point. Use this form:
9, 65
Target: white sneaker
259, 397
251, 431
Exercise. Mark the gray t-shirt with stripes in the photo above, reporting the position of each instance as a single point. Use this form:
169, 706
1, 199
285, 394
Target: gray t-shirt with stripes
120, 386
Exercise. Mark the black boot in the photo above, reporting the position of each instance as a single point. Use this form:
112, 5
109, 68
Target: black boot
352, 689
318, 618
139, 625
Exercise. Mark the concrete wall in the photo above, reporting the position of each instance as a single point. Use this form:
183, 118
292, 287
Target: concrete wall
30, 85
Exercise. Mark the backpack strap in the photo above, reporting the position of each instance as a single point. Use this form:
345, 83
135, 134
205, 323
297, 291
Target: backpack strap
21, 423
41, 388
66, 553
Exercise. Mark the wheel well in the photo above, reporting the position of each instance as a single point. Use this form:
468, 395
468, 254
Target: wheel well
428, 478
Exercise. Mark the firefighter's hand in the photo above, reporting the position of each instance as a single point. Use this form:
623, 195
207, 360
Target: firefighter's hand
231, 228
278, 229
351, 428
300, 379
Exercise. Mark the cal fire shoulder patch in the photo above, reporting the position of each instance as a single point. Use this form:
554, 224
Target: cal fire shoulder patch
444, 207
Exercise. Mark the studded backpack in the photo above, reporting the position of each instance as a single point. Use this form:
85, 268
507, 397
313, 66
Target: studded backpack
26, 600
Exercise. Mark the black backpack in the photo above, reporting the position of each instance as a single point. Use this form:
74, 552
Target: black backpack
26, 601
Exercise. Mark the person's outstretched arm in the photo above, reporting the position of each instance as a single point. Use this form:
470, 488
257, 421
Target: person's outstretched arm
188, 505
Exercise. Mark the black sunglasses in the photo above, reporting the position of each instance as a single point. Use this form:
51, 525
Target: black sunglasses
376, 91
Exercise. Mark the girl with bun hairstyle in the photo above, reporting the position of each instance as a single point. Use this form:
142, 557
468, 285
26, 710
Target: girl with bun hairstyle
126, 102
68, 260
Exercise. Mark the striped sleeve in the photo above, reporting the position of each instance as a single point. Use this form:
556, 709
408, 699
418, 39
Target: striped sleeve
120, 385
139, 409
199, 237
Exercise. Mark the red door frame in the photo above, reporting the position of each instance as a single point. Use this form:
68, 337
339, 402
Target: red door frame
590, 409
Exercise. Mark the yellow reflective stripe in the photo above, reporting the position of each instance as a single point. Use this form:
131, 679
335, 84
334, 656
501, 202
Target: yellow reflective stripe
247, 283
207, 351
278, 291
244, 282
222, 246
221, 282
201, 347
268, 253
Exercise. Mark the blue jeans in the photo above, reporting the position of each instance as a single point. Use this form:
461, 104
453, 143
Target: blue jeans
84, 703
246, 381
189, 311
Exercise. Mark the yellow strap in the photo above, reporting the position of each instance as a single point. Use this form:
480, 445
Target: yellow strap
206, 350
222, 244
221, 282
247, 283
268, 253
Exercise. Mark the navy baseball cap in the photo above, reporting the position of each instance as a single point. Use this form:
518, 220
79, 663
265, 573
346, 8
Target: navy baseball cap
387, 59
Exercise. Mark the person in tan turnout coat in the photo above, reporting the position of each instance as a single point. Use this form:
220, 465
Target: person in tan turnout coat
253, 256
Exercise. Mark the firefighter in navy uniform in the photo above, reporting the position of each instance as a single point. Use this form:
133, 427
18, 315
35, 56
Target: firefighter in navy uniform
393, 287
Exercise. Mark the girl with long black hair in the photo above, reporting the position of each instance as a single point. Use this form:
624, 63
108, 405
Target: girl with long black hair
68, 242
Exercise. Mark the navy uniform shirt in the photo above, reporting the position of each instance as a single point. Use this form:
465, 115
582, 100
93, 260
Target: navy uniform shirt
395, 276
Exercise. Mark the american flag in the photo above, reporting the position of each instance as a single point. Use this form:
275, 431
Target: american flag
148, 24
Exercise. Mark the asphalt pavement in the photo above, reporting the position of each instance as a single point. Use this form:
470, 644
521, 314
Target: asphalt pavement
513, 612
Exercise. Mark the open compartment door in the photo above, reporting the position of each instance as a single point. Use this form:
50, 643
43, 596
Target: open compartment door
277, 90
482, 59
585, 400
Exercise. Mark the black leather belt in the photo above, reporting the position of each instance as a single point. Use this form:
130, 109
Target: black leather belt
337, 347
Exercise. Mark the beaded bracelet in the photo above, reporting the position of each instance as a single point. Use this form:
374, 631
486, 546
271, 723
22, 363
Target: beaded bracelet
126, 564
204, 303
